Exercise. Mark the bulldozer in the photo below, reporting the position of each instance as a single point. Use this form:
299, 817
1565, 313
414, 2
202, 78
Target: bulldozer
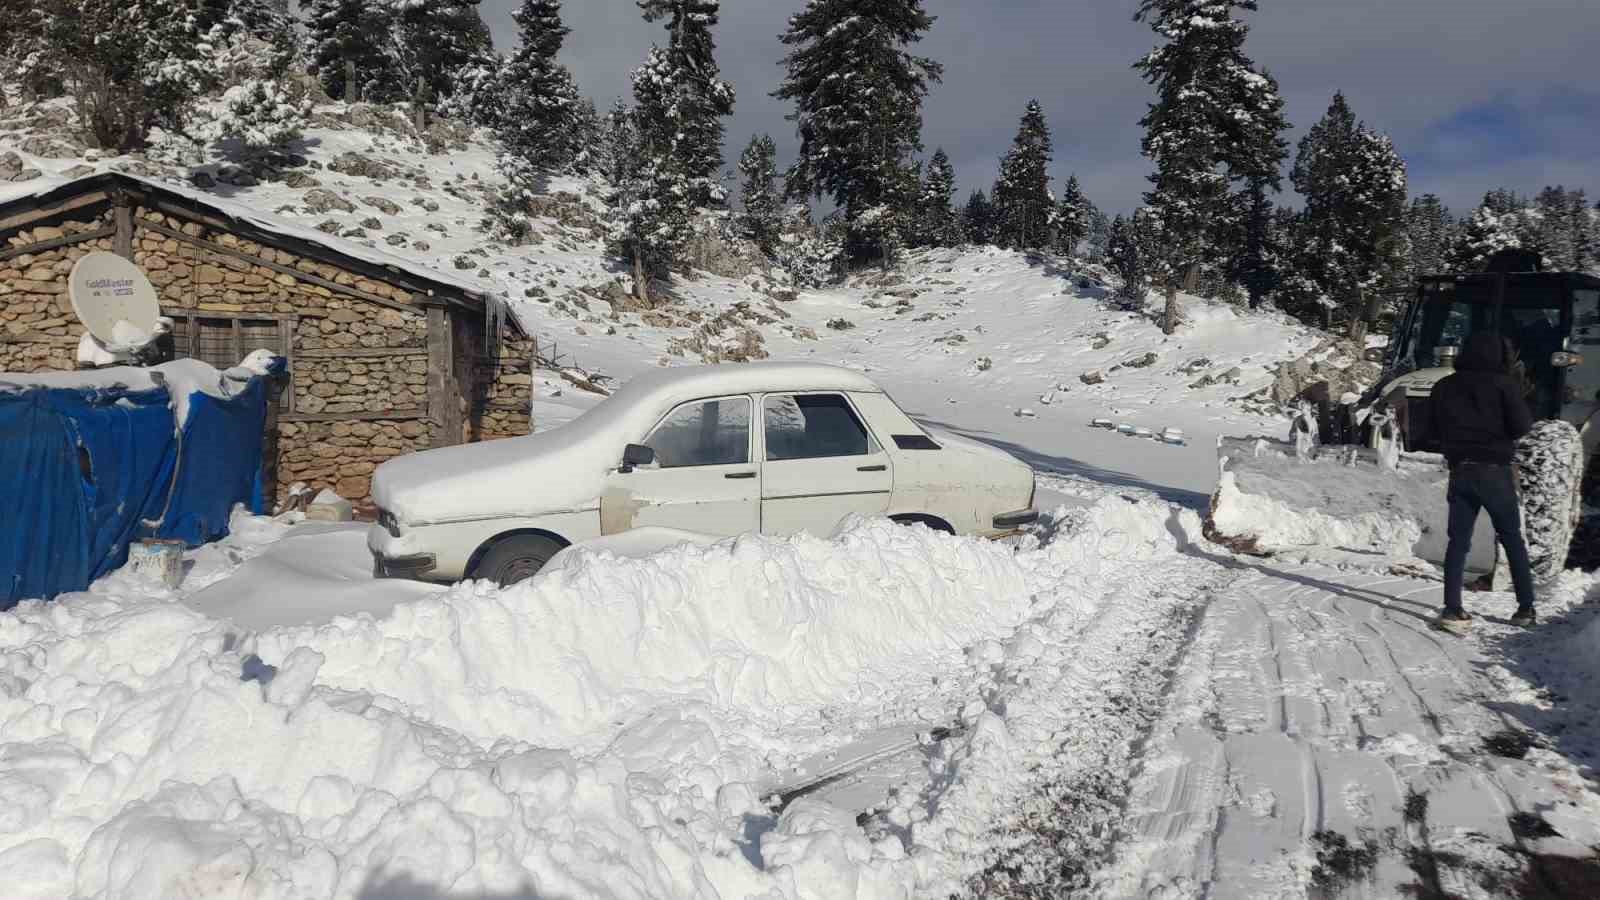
1363, 475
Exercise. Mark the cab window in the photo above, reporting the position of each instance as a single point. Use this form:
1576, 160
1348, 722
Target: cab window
703, 433
811, 426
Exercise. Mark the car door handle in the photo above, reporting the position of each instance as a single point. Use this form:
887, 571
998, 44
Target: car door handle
878, 468
740, 475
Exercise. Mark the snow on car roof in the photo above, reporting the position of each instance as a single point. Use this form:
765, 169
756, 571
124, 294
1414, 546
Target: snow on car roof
682, 383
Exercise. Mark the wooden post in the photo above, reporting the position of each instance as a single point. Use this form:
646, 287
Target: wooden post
352, 91
122, 217
444, 397
419, 108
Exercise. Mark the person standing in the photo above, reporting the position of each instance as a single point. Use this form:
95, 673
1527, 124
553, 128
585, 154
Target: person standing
1479, 413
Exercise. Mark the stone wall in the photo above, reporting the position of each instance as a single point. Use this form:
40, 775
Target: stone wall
350, 355
38, 329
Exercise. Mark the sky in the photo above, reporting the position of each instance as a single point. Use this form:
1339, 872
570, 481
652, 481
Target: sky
1476, 94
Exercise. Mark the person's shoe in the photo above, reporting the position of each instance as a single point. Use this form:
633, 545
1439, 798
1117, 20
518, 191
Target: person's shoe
1524, 618
1455, 620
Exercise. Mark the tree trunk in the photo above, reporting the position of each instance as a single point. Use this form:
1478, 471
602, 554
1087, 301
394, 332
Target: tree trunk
1358, 329
641, 284
1169, 316
352, 93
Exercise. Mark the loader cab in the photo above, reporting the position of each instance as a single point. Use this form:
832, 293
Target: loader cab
1552, 321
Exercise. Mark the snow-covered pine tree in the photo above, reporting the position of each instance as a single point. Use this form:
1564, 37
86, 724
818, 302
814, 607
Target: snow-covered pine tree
1256, 266
857, 94
1023, 206
977, 219
1431, 230
1253, 260
1552, 228
1494, 226
762, 219
352, 32
654, 196
131, 65
538, 98
1354, 185
618, 143
1214, 121
1126, 256
695, 99
1073, 217
1582, 222
265, 21
434, 42
938, 224
1094, 243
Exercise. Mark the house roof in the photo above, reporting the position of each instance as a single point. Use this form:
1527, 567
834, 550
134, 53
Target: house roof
46, 194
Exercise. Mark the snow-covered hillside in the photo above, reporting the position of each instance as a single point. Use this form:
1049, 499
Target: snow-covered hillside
1017, 350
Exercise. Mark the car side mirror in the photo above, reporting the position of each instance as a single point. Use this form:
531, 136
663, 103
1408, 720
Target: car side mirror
636, 455
1563, 359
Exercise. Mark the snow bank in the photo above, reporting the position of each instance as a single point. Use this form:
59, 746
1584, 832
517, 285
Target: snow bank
182, 378
595, 732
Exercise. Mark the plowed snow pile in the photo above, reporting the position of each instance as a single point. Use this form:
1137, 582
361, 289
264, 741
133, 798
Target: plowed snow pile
604, 730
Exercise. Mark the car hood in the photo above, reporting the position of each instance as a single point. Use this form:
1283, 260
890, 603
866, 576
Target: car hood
965, 445
560, 470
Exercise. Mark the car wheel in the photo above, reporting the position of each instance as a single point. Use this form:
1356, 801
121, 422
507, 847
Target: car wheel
516, 558
1550, 475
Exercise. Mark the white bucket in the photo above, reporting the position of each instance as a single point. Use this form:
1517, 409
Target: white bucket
158, 559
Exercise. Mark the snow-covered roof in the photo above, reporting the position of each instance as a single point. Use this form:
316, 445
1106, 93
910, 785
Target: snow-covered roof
46, 188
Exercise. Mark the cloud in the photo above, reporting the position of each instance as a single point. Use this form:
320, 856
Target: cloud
1476, 94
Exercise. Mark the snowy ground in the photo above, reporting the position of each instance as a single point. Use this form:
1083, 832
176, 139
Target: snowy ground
1108, 707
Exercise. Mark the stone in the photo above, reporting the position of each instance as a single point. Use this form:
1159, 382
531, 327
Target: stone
395, 240
387, 207
206, 274
421, 246
322, 200
360, 166
1093, 376
78, 171
463, 262
46, 148
372, 223
1142, 362
301, 181
10, 164
26, 175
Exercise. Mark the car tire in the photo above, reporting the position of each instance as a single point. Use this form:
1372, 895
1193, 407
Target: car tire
515, 558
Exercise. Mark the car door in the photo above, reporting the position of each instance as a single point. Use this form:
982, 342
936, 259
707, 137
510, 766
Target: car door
703, 479
820, 464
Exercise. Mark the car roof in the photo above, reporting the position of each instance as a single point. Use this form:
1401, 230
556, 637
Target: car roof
677, 384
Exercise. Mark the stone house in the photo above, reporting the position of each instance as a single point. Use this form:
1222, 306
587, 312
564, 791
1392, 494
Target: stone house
386, 355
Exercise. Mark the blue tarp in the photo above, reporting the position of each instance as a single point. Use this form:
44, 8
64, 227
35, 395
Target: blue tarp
81, 468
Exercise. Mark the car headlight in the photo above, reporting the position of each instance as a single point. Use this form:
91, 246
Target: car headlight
389, 522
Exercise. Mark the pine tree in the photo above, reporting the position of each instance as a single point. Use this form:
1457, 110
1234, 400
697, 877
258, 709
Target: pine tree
1099, 235
762, 219
1581, 221
857, 94
977, 219
1024, 209
131, 65
1494, 226
1354, 185
268, 22
434, 42
1126, 257
1215, 121
1073, 217
1431, 230
620, 142
1257, 265
654, 194
537, 121
938, 224
692, 100
357, 32
1551, 227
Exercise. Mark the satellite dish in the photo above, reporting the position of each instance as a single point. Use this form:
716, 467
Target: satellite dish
113, 299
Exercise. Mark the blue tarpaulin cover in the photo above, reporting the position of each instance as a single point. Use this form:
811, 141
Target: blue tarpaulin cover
83, 467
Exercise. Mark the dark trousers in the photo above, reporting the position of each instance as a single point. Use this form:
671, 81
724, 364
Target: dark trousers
1493, 489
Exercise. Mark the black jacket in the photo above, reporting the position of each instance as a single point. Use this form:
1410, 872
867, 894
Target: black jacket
1479, 412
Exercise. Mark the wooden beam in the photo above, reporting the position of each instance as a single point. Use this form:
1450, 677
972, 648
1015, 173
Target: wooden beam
23, 219
307, 277
122, 221
186, 312
34, 337
444, 397
361, 352
55, 243
396, 415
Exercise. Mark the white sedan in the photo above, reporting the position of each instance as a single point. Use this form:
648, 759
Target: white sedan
777, 448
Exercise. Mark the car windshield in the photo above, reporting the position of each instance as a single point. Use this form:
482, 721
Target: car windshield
1450, 314
1530, 318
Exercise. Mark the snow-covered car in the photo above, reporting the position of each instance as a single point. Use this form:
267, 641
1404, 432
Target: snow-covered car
777, 448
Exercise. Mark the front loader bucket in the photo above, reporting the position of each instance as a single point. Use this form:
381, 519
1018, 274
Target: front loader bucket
1271, 501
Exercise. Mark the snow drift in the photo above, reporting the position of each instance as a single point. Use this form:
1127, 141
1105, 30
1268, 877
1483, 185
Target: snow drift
596, 732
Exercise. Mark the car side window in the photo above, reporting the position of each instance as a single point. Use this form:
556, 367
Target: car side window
703, 433
811, 426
